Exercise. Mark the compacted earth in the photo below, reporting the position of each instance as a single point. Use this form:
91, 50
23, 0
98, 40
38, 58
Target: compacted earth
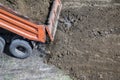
87, 42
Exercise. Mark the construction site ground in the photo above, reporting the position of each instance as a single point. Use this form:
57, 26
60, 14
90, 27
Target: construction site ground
86, 46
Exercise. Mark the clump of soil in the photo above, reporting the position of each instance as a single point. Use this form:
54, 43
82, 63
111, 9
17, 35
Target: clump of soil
87, 43
37, 10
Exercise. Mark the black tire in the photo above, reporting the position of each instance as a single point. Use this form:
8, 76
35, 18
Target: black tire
20, 49
2, 44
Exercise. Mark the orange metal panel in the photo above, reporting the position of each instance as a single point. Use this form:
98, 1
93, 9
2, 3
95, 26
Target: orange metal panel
11, 21
41, 32
17, 23
22, 27
17, 30
53, 19
17, 18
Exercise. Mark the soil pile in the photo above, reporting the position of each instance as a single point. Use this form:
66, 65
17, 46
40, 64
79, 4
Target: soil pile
37, 10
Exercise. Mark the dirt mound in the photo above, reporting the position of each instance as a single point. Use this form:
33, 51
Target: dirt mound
37, 10
87, 43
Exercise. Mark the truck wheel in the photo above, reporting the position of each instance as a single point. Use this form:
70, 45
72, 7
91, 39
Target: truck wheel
20, 49
2, 44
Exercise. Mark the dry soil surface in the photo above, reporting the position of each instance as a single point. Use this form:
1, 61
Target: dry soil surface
32, 68
87, 43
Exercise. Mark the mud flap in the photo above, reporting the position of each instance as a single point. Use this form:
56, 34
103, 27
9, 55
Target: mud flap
53, 19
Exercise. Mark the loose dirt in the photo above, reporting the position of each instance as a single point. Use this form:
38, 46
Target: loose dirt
87, 41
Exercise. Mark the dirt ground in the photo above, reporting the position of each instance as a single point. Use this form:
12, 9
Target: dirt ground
32, 68
87, 41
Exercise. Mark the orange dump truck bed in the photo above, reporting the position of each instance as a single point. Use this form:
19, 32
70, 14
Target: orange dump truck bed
10, 21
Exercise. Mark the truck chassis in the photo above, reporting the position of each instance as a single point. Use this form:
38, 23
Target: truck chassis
21, 33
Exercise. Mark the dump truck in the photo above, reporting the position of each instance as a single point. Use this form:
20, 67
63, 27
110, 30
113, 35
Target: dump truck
20, 34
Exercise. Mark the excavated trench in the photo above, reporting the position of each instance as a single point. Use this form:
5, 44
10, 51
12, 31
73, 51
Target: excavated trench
87, 41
